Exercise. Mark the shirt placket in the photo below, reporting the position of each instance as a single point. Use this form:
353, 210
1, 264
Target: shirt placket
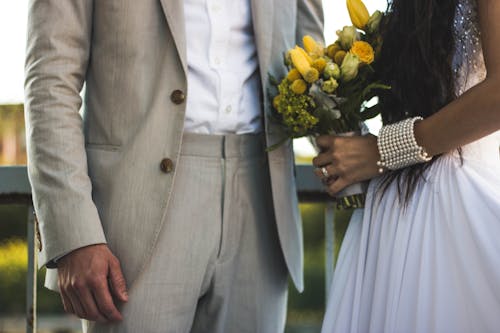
220, 20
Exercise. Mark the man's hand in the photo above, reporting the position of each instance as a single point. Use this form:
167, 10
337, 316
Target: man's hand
89, 278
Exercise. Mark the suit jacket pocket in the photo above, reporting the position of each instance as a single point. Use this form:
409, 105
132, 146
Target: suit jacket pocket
102, 146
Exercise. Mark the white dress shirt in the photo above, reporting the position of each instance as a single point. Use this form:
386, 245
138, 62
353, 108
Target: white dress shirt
224, 89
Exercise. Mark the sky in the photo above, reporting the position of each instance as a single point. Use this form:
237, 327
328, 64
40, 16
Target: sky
12, 42
13, 17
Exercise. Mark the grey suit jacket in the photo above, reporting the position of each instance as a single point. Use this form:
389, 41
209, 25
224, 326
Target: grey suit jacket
96, 177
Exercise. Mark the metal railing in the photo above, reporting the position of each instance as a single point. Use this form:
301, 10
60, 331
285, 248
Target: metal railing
15, 189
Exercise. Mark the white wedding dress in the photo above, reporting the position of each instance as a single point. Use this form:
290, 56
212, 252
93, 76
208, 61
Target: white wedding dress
433, 266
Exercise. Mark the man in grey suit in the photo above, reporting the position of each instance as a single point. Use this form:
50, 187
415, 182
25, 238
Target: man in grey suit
158, 208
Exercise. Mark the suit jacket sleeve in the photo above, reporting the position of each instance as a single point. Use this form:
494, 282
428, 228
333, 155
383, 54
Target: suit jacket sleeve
310, 20
58, 48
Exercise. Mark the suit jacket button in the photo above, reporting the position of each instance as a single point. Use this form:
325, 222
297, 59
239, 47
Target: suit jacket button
177, 97
166, 165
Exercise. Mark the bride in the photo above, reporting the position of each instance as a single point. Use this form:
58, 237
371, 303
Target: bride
424, 254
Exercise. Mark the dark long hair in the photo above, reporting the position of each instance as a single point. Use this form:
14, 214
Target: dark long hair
417, 61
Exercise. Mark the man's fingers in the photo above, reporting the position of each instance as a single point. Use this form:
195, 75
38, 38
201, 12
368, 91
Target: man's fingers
90, 307
117, 281
105, 302
83, 277
79, 311
68, 307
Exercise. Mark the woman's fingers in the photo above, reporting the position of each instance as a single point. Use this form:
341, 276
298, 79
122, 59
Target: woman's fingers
326, 172
332, 178
336, 185
329, 145
322, 160
324, 142
351, 159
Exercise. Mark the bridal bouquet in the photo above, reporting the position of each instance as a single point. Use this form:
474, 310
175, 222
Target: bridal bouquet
331, 90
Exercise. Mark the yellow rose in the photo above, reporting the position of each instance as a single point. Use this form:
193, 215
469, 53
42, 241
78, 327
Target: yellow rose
349, 67
364, 51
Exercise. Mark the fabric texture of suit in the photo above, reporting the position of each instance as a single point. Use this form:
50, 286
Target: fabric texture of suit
96, 177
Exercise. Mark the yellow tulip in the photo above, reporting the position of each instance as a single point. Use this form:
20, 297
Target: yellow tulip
293, 75
305, 55
358, 13
312, 47
300, 62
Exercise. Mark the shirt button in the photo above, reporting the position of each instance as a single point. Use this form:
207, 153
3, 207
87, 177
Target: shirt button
229, 109
217, 61
177, 97
166, 165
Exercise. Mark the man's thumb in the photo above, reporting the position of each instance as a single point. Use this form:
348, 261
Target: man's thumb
117, 282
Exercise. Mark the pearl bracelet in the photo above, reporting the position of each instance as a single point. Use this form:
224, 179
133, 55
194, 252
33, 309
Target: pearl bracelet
397, 146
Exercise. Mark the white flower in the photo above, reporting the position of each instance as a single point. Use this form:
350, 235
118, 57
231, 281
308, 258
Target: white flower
347, 36
349, 67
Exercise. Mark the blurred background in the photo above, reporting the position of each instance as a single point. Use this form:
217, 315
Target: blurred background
304, 311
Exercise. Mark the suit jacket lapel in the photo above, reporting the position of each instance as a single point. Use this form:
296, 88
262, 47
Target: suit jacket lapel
174, 12
263, 24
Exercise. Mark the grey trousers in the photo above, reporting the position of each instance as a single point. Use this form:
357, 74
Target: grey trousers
217, 266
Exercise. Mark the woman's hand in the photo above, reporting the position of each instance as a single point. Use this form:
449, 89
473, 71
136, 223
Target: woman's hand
347, 160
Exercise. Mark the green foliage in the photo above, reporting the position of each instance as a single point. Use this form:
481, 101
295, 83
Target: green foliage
309, 306
13, 274
13, 262
13, 221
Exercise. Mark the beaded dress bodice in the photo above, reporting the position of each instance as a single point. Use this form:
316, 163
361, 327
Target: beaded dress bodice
469, 68
468, 59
